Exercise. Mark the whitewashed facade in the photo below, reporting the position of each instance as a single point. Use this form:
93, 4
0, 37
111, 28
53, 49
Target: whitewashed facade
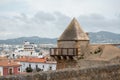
43, 66
1, 71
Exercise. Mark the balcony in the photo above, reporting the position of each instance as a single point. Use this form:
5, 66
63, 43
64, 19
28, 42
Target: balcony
63, 51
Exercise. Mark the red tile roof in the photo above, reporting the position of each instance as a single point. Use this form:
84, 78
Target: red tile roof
31, 59
8, 63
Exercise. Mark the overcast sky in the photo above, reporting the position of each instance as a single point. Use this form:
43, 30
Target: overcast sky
49, 18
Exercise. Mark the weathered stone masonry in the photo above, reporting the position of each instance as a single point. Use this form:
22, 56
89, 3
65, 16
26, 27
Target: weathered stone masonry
109, 72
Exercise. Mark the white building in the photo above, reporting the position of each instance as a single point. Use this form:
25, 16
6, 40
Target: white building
29, 47
34, 63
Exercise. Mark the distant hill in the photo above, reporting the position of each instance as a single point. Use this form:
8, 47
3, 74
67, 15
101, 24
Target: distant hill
34, 39
96, 37
104, 37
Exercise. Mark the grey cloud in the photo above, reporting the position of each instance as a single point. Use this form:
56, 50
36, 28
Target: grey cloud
61, 20
41, 24
97, 22
45, 24
42, 17
91, 17
21, 17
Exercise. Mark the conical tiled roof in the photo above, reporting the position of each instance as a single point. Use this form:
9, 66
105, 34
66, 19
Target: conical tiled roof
74, 32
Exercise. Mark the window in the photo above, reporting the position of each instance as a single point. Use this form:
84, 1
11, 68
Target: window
50, 67
13, 55
24, 64
43, 66
0, 73
31, 53
36, 66
29, 65
18, 69
10, 70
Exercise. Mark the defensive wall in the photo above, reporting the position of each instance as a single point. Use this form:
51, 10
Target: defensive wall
106, 72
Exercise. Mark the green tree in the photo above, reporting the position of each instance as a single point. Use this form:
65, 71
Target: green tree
29, 69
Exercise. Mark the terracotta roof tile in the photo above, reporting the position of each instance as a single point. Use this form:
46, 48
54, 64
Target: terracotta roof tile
7, 63
30, 59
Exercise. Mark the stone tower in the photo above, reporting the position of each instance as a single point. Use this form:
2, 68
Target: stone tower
74, 37
71, 44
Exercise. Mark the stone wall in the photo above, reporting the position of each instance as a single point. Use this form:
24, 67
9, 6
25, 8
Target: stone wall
62, 64
66, 44
108, 72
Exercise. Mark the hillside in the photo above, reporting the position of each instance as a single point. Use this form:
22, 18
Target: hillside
34, 39
104, 37
98, 37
